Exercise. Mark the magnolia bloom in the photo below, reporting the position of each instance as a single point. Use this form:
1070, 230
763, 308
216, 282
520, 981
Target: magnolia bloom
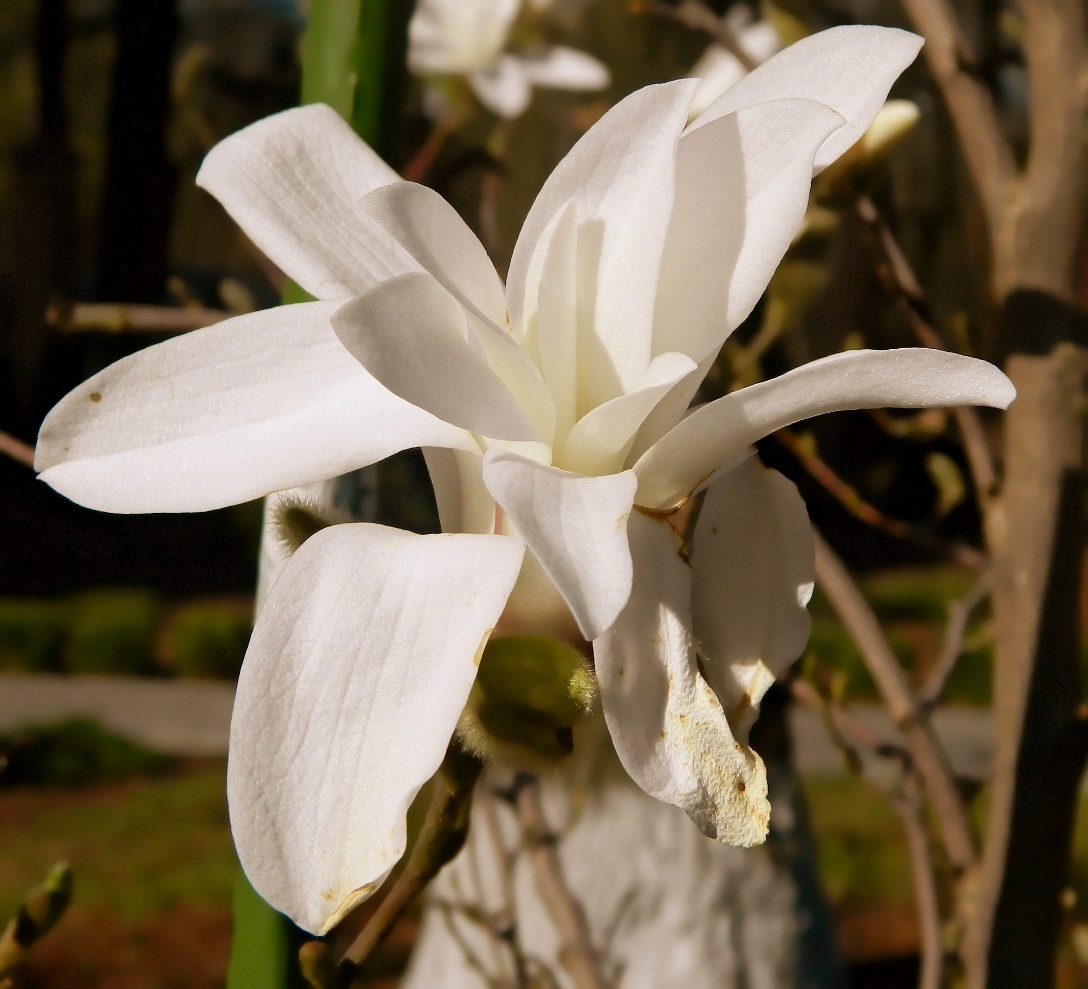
468, 38
560, 398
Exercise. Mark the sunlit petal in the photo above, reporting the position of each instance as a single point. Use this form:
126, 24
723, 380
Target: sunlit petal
258, 403
292, 182
359, 667
717, 435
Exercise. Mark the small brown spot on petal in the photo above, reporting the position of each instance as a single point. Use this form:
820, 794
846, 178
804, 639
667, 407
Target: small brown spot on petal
95, 396
740, 786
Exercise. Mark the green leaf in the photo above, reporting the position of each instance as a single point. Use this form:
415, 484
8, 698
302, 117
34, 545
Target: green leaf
264, 945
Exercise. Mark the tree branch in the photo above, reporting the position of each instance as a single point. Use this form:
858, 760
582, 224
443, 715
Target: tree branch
19, 451
953, 64
576, 954
122, 317
918, 735
959, 613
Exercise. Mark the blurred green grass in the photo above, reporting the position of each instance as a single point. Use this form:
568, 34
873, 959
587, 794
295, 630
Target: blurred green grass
123, 632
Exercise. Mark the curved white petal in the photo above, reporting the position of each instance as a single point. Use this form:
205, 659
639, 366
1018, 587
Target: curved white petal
292, 182
620, 177
599, 441
717, 435
464, 503
559, 67
502, 87
412, 336
447, 37
258, 403
742, 185
575, 526
431, 230
358, 670
850, 69
668, 726
753, 560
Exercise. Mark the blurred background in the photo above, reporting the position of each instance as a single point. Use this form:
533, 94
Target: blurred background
107, 108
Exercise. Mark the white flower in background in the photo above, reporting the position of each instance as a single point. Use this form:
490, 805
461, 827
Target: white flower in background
718, 69
560, 398
469, 37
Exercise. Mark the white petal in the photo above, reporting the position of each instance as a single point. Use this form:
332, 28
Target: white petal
258, 403
431, 231
742, 187
412, 336
559, 67
292, 182
440, 241
464, 503
850, 69
575, 526
599, 441
668, 726
359, 667
718, 435
620, 177
502, 87
447, 37
754, 560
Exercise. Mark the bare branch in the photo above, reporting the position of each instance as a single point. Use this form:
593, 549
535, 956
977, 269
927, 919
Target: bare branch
902, 284
576, 954
847, 496
918, 735
441, 837
954, 67
959, 613
121, 317
698, 16
19, 451
907, 801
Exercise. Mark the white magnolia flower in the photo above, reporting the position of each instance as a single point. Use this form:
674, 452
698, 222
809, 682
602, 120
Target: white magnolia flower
468, 38
559, 398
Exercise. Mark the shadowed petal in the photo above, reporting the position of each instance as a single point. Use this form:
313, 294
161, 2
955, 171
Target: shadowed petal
620, 179
575, 526
667, 724
754, 566
413, 337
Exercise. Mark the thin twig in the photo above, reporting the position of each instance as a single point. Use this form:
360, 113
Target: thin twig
901, 282
907, 801
576, 953
847, 496
441, 837
19, 451
122, 317
918, 735
959, 613
697, 16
